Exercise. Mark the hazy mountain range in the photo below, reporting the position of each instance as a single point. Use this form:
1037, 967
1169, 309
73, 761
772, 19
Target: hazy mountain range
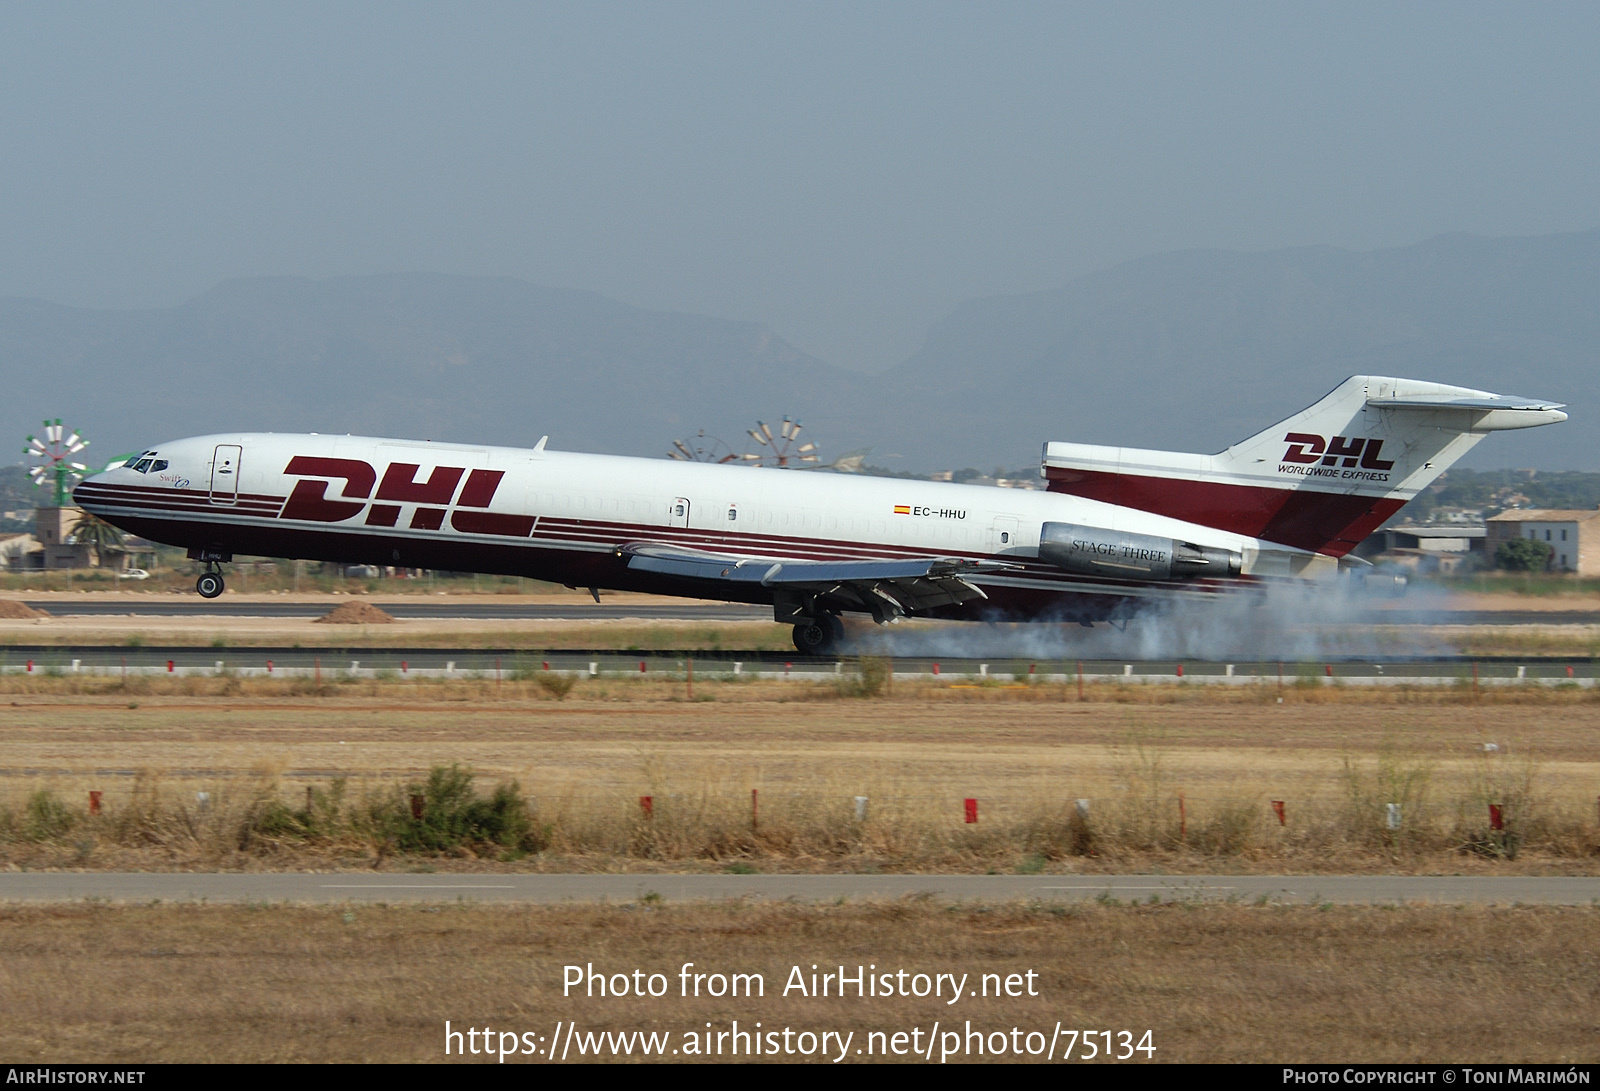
1189, 350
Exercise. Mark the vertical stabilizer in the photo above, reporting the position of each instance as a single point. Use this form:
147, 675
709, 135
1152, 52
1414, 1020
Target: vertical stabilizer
1323, 479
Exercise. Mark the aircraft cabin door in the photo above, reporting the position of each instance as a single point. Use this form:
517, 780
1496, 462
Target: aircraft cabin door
1003, 534
225, 474
678, 516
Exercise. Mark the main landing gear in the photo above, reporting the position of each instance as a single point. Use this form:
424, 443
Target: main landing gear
210, 583
820, 635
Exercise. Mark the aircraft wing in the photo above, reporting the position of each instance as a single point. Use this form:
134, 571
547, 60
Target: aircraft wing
886, 588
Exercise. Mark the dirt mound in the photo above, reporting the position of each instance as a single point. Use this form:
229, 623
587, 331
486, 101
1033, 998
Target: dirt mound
11, 608
357, 613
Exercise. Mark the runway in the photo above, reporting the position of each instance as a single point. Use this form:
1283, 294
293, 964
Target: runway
401, 662
422, 608
367, 887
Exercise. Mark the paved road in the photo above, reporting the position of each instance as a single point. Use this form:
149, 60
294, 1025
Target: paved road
588, 611
422, 608
370, 887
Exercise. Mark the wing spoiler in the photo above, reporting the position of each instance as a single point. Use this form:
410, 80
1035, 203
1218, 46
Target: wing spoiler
886, 588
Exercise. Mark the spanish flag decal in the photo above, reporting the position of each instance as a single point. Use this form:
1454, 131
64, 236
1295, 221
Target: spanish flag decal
902, 509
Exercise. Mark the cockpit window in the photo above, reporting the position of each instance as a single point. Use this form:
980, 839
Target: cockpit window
142, 466
158, 465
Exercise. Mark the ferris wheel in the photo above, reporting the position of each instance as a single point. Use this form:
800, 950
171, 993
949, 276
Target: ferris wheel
54, 454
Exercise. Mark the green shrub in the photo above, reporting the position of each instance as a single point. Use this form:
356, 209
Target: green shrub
557, 685
1523, 555
46, 816
871, 678
453, 815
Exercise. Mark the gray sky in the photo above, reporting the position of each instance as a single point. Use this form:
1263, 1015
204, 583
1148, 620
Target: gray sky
844, 172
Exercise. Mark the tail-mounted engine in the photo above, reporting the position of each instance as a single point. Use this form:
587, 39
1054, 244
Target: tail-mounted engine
1094, 551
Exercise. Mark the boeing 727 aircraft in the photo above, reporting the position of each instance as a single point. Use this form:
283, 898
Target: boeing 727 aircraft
1117, 527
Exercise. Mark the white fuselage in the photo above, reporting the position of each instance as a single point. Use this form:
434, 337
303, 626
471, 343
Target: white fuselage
562, 516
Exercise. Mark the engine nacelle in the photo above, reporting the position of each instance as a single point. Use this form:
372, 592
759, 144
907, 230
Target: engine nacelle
1095, 551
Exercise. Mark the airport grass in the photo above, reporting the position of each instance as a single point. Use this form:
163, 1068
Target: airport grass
1177, 777
1390, 811
522, 678
94, 983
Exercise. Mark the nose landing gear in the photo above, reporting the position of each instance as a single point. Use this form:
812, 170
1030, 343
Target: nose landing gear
210, 583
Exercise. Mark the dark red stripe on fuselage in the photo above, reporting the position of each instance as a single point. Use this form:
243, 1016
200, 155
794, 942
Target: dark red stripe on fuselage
575, 567
1326, 522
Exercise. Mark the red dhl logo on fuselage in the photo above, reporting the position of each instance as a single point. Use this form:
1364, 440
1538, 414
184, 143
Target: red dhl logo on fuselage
433, 496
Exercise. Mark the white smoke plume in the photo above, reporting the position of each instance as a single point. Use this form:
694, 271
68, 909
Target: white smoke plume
1287, 624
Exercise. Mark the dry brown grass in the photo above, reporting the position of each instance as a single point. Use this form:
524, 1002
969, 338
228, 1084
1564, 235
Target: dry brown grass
585, 761
520, 678
92, 983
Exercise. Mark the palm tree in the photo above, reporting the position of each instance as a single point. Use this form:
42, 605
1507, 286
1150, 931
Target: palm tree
98, 535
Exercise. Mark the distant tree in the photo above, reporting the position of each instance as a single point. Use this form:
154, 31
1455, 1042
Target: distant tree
98, 535
1523, 555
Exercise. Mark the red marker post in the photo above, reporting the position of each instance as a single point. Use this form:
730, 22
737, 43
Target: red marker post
972, 810
94, 802
647, 804
1277, 809
1497, 818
